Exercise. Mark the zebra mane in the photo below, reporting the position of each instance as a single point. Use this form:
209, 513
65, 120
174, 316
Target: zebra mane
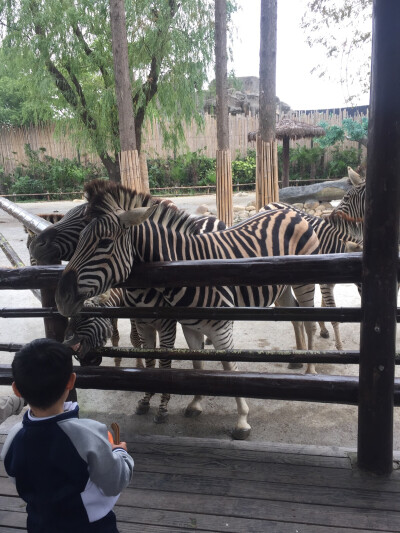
344, 216
340, 213
107, 196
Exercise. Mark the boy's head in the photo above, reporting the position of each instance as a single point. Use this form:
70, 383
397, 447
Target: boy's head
41, 371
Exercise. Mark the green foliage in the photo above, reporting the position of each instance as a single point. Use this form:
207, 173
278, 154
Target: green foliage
61, 51
341, 159
305, 162
189, 169
356, 131
244, 168
333, 135
350, 129
195, 169
44, 174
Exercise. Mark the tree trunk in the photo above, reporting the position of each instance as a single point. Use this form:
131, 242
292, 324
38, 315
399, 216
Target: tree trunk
266, 168
128, 160
224, 167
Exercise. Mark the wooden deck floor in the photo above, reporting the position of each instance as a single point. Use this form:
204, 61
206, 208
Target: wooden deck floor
186, 484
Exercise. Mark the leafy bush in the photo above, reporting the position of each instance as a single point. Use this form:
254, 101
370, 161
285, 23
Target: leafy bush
341, 159
191, 169
244, 168
44, 174
306, 163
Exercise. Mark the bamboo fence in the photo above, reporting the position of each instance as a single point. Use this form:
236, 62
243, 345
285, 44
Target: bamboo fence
204, 140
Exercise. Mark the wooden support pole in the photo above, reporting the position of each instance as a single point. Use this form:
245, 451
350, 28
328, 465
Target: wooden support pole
224, 187
381, 232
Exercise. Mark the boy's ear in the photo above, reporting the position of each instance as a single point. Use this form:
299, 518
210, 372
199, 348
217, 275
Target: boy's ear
71, 381
15, 390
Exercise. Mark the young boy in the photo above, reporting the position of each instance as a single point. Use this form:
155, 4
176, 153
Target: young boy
64, 468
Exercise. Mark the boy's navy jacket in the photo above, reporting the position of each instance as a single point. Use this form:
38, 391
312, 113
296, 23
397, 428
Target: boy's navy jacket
65, 470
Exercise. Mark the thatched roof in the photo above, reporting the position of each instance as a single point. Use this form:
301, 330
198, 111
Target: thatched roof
294, 129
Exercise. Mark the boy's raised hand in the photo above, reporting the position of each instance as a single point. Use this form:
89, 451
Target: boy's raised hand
120, 445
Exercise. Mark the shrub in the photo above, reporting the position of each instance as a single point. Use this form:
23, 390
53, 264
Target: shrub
306, 163
341, 159
44, 174
244, 168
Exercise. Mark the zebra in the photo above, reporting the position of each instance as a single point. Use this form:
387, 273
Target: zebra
334, 238
124, 230
58, 242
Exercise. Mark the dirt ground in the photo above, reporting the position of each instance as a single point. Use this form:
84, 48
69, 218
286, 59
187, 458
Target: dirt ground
272, 421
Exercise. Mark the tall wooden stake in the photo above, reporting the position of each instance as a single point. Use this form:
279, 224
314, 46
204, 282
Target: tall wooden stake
381, 233
224, 165
266, 147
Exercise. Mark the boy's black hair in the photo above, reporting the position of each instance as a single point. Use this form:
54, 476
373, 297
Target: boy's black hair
41, 370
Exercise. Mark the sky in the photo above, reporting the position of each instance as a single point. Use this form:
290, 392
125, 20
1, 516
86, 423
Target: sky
295, 85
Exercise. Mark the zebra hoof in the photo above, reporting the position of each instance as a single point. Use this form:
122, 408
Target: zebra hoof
192, 413
295, 365
324, 334
161, 417
142, 408
240, 434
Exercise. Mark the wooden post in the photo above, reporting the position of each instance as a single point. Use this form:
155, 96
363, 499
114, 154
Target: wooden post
224, 187
381, 232
267, 189
266, 146
224, 166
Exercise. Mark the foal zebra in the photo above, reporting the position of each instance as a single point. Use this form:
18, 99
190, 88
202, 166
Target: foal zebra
122, 232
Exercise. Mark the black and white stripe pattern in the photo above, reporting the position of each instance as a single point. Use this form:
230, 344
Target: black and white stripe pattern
119, 236
334, 235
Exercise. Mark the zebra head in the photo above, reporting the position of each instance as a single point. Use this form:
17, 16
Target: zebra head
58, 242
85, 333
351, 211
105, 254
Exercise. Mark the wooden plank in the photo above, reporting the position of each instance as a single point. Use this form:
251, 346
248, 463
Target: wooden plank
321, 515
286, 473
135, 520
12, 519
338, 496
246, 456
265, 447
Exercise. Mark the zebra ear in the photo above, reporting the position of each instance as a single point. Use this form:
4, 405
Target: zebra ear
354, 177
353, 247
136, 216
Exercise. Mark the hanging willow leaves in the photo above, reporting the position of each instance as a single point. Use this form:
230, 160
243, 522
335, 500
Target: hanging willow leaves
59, 53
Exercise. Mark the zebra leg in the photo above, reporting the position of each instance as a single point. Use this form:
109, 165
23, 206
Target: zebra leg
137, 342
328, 300
167, 334
324, 333
195, 341
305, 297
222, 339
115, 339
287, 300
147, 333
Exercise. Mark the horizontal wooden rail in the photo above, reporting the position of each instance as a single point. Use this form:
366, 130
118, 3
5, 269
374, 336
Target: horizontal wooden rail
290, 270
309, 388
285, 314
345, 357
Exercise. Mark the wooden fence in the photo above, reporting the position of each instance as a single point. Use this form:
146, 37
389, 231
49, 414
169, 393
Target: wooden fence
13, 140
